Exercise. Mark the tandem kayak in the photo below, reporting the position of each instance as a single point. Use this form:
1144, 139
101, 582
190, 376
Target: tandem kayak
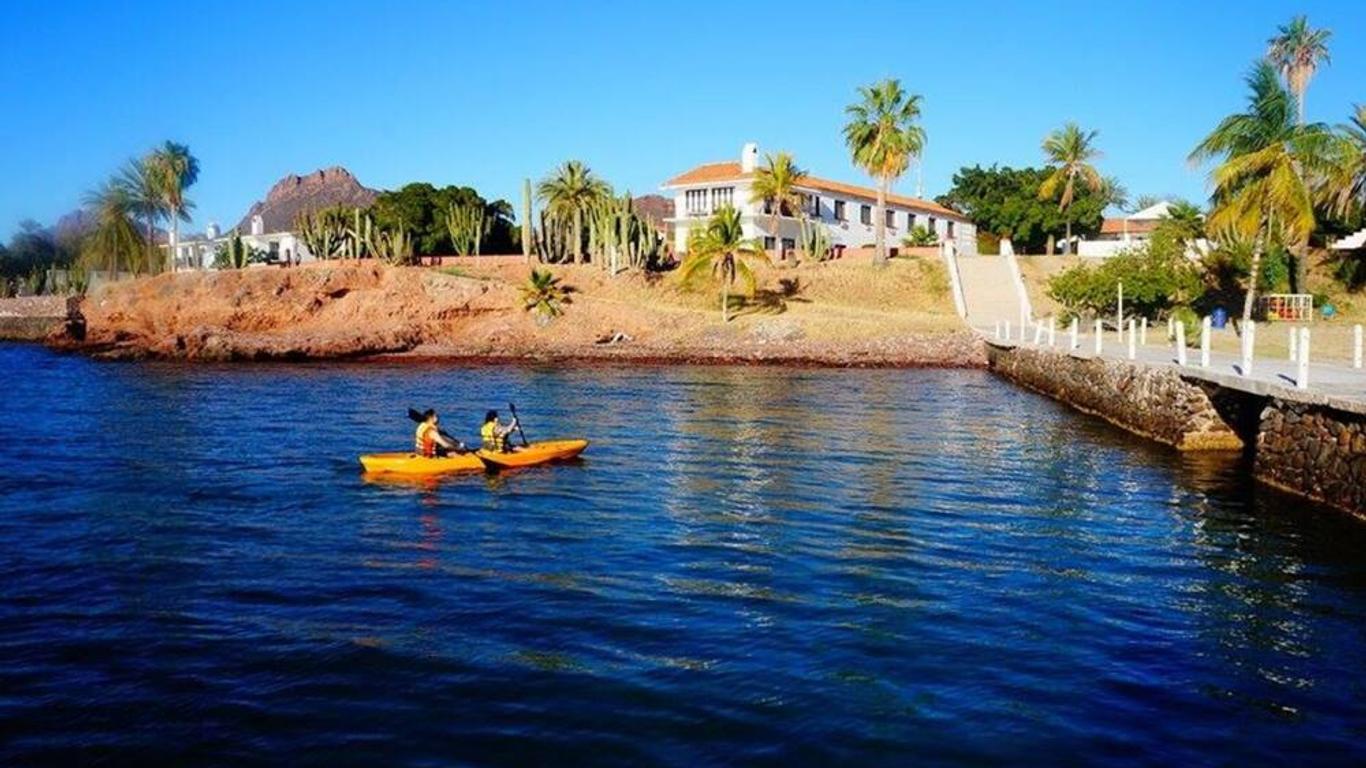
413, 464
531, 455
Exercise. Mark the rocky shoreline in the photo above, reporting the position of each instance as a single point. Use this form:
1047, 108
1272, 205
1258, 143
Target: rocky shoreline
369, 311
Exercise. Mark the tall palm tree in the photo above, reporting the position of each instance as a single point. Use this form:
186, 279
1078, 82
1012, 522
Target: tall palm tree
569, 192
139, 180
775, 184
175, 170
1296, 51
883, 138
1071, 151
1260, 188
1186, 220
721, 249
114, 243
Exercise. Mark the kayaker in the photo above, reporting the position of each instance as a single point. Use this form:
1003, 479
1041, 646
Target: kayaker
494, 435
429, 441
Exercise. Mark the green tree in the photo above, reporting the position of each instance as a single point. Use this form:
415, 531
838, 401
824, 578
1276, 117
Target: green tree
174, 170
114, 244
1005, 202
721, 250
544, 296
1296, 52
1260, 188
883, 138
569, 193
1070, 151
775, 185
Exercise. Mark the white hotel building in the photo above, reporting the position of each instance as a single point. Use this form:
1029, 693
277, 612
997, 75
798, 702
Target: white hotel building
845, 209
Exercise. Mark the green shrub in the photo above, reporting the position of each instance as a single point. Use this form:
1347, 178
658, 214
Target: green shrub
1188, 318
1157, 276
920, 237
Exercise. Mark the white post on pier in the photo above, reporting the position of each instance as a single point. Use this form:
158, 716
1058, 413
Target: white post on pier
1204, 341
1007, 330
1024, 323
1181, 344
1302, 372
1076, 342
1171, 331
1294, 337
1100, 336
1249, 344
1038, 334
1143, 331
998, 330
1133, 341
1356, 346
1052, 331
1119, 313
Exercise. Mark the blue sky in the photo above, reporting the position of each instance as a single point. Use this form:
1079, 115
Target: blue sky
486, 94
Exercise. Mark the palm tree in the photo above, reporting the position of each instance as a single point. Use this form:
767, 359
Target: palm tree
883, 137
139, 180
722, 250
1071, 150
1347, 182
775, 185
1260, 188
114, 242
1186, 221
569, 193
175, 170
544, 296
1296, 51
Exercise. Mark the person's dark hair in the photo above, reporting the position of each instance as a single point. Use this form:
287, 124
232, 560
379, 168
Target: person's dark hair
490, 416
428, 414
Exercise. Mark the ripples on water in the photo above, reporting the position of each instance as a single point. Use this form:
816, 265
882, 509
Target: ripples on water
752, 565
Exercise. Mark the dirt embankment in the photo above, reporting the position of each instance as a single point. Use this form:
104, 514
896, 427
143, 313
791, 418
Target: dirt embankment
837, 315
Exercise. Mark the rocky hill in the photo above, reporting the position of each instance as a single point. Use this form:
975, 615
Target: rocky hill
293, 195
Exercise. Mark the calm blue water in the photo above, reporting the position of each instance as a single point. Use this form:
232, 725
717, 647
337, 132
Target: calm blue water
757, 566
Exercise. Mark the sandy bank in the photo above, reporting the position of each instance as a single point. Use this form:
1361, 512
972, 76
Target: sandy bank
840, 315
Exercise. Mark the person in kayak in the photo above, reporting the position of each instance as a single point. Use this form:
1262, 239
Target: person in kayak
494, 435
430, 441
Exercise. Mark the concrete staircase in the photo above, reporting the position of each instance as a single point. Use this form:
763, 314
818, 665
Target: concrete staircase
1351, 242
990, 290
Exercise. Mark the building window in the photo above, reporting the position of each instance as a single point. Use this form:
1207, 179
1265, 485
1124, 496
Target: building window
932, 229
891, 218
695, 202
789, 244
768, 207
839, 211
865, 214
722, 197
770, 243
813, 206
948, 228
910, 222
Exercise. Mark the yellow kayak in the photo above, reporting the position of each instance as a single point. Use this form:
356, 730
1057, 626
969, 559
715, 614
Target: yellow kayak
413, 464
536, 453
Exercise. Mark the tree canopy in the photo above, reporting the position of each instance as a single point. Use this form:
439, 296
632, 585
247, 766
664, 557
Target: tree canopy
422, 208
1005, 202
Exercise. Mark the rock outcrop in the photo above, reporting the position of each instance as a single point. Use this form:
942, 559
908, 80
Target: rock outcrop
294, 195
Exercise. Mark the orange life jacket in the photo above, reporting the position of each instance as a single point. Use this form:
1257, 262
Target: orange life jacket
424, 442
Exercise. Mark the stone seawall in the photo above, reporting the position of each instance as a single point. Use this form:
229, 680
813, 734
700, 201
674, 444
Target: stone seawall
1300, 443
1156, 403
1314, 450
31, 318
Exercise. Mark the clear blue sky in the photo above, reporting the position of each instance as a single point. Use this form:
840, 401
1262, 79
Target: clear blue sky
486, 94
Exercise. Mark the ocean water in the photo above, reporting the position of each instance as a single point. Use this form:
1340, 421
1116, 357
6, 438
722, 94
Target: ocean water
749, 566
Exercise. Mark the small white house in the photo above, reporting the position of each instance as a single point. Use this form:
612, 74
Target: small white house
197, 251
846, 210
1118, 235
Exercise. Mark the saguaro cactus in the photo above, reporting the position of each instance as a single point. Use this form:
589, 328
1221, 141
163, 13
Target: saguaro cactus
526, 220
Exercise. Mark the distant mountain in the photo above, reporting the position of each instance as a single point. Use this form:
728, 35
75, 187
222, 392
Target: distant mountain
655, 209
294, 195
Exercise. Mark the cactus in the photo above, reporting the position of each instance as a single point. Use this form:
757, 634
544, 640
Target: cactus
815, 240
322, 231
467, 225
619, 238
526, 220
359, 239
551, 239
394, 246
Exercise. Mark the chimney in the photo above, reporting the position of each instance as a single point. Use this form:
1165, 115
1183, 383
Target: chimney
211, 231
258, 225
749, 158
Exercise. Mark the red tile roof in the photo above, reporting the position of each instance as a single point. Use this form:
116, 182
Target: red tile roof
1135, 226
717, 172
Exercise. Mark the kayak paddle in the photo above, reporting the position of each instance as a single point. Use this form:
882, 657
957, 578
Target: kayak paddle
517, 419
